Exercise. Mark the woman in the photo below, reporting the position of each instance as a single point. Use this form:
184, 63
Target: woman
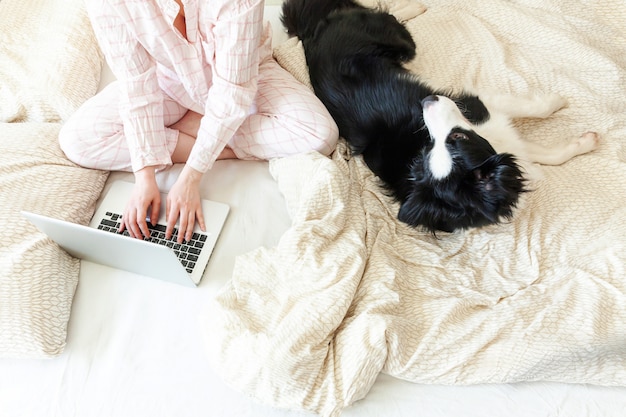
196, 82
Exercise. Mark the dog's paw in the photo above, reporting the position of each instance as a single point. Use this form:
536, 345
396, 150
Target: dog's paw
405, 10
587, 142
549, 104
555, 102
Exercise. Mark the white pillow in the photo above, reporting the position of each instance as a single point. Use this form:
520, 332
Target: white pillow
50, 59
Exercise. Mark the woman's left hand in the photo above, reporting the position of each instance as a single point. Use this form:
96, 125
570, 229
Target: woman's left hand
184, 204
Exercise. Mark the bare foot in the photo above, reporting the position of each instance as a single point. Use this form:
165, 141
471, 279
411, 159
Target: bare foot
227, 153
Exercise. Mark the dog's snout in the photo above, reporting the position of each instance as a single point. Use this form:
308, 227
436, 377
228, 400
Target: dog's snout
429, 100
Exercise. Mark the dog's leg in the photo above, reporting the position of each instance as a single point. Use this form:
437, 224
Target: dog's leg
403, 10
406, 10
559, 154
535, 106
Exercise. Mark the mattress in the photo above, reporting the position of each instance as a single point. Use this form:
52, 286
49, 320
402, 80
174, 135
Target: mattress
138, 346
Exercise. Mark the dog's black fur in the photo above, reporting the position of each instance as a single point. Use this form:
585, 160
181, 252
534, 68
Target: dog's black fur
355, 57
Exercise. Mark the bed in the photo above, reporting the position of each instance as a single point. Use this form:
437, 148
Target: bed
317, 300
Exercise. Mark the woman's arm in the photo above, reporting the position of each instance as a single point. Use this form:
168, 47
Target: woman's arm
233, 31
141, 101
141, 109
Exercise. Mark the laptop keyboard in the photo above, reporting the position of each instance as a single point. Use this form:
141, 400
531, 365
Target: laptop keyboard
187, 252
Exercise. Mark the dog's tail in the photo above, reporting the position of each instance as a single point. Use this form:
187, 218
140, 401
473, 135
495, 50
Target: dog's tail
301, 17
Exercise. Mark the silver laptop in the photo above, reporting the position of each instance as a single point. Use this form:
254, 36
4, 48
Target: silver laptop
155, 257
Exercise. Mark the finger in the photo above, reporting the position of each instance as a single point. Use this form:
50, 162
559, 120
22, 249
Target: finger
200, 218
154, 212
171, 223
190, 226
130, 225
133, 231
142, 224
126, 224
182, 227
134, 226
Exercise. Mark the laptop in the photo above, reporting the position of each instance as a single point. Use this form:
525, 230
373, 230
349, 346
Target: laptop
155, 257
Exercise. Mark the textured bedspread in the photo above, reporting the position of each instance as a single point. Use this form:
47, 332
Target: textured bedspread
350, 292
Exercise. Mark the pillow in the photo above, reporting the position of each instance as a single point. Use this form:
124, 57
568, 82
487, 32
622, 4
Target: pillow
50, 62
37, 278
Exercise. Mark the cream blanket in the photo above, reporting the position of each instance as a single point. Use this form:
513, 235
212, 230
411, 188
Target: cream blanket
350, 292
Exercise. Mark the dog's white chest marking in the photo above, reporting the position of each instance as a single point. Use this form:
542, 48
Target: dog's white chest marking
441, 116
440, 160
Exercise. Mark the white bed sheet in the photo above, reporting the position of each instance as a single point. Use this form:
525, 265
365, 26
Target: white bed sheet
134, 347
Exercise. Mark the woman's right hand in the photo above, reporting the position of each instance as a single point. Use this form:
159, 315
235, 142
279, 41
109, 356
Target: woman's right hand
145, 196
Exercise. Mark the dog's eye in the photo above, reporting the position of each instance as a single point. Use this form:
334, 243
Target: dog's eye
458, 136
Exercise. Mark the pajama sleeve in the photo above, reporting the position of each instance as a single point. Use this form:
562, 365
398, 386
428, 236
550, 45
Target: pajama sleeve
233, 30
141, 101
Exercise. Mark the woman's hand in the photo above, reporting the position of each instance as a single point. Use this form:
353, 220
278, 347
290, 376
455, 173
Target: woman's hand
184, 203
145, 196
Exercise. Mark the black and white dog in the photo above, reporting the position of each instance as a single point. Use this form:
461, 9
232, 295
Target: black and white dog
434, 152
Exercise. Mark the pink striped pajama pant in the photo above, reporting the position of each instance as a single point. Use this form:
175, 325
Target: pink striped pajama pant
289, 119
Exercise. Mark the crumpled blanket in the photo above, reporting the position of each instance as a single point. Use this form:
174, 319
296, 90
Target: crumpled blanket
349, 291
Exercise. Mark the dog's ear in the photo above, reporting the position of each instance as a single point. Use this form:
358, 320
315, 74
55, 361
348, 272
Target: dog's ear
410, 212
423, 208
416, 209
498, 183
487, 194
